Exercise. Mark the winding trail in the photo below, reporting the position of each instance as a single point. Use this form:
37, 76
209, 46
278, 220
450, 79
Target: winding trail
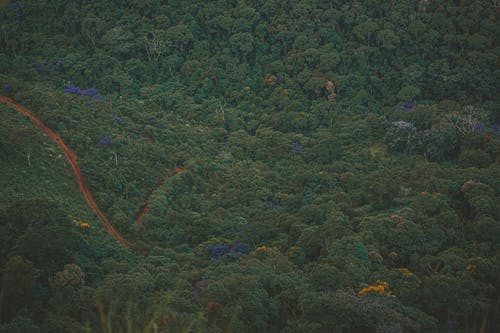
72, 159
145, 208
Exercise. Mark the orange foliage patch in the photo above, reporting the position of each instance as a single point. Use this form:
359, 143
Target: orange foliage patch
470, 267
380, 288
468, 185
83, 225
330, 86
213, 308
270, 80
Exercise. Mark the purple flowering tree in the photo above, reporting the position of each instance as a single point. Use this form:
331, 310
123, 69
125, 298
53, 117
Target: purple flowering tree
72, 89
218, 251
104, 140
91, 93
408, 106
495, 128
236, 250
269, 202
296, 148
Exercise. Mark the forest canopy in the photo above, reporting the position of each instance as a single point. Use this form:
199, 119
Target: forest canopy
277, 166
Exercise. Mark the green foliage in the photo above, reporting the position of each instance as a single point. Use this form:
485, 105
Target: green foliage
287, 126
19, 276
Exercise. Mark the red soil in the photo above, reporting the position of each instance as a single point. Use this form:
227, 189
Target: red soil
143, 212
72, 159
145, 209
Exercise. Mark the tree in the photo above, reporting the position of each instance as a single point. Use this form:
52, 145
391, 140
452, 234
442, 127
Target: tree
120, 42
242, 43
179, 37
387, 40
155, 44
27, 139
437, 143
326, 146
380, 188
91, 29
67, 281
365, 31
18, 280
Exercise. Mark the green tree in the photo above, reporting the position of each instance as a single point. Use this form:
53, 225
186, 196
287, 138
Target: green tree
18, 280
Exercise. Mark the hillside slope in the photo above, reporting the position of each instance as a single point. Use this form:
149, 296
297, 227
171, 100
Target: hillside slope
341, 166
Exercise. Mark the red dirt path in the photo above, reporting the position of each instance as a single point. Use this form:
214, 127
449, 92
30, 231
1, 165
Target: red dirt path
142, 213
145, 208
72, 159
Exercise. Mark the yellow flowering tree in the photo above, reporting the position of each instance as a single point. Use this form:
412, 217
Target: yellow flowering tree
381, 288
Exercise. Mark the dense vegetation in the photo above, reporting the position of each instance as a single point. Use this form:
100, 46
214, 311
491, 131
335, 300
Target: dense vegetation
307, 166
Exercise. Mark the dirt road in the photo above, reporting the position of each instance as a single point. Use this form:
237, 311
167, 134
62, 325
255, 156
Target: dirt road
72, 159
